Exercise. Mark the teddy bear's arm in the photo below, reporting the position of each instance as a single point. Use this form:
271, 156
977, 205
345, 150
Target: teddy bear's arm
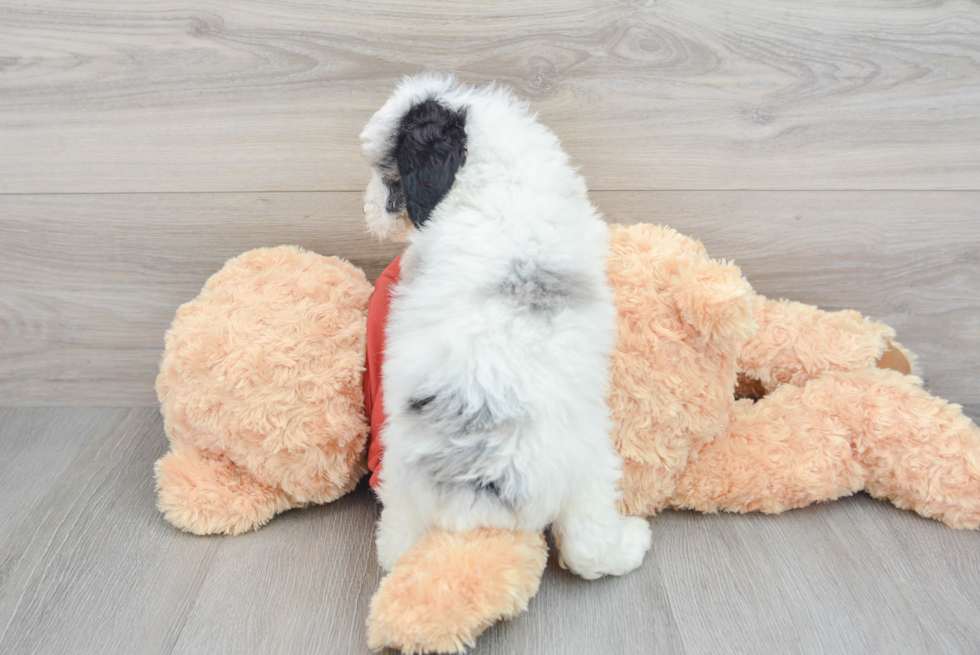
797, 342
206, 493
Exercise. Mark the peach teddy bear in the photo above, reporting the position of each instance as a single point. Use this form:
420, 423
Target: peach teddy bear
261, 391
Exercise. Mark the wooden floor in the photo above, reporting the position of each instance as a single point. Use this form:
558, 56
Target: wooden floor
830, 147
89, 566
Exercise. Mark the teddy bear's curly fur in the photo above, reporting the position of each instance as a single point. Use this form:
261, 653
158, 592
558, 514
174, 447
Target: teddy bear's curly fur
833, 421
260, 389
722, 400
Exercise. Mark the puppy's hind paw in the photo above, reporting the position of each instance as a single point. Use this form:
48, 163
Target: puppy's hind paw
635, 544
598, 558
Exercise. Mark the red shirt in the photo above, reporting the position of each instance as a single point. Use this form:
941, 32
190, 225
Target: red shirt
377, 320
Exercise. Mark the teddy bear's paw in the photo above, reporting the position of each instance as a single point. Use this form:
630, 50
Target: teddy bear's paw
596, 557
203, 493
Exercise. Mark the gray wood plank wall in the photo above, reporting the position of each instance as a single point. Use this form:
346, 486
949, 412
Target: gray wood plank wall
252, 95
90, 282
831, 149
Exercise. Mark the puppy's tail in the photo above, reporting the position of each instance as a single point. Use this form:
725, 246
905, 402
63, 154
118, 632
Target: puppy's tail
418, 142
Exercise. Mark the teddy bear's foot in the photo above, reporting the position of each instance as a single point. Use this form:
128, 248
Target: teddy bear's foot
208, 494
448, 588
897, 358
921, 452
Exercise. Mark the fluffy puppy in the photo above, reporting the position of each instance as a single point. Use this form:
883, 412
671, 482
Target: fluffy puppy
500, 330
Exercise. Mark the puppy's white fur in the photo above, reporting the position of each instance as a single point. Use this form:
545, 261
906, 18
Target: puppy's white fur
498, 343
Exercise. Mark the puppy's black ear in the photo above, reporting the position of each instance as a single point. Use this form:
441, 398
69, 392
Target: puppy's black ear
431, 147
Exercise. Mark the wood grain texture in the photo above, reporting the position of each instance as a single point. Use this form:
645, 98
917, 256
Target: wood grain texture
90, 566
94, 568
89, 283
85, 571
915, 560
249, 95
815, 580
38, 446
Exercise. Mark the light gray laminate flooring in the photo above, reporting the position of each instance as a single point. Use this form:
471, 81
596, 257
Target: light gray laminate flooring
88, 565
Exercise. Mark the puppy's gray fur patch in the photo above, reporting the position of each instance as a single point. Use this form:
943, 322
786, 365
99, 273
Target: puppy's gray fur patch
449, 414
541, 289
473, 451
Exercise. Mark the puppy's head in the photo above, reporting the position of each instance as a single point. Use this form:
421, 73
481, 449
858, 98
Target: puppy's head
414, 144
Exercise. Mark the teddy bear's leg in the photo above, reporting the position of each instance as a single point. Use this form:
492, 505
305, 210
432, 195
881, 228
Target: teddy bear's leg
797, 342
208, 494
448, 588
776, 454
920, 452
875, 429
